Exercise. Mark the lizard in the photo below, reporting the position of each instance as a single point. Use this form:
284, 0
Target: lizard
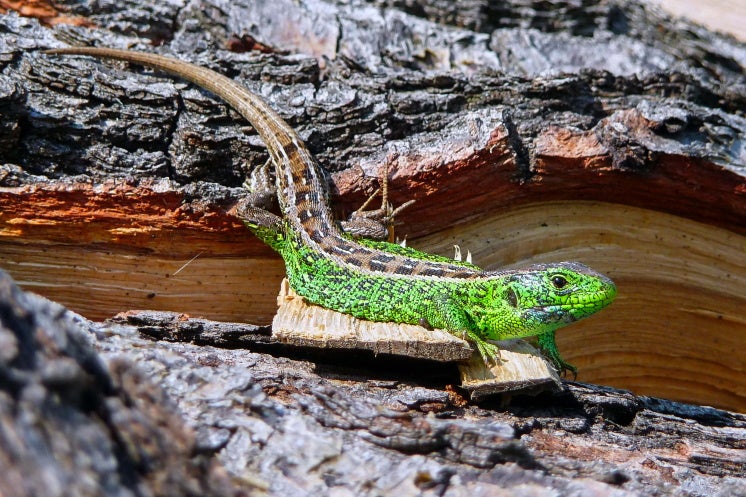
379, 280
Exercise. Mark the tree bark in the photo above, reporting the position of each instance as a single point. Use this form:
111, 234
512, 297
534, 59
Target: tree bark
606, 134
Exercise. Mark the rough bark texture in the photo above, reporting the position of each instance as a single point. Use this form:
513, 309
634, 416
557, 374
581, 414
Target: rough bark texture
515, 126
72, 423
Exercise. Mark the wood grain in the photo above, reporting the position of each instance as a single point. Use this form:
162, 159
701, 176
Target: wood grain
726, 16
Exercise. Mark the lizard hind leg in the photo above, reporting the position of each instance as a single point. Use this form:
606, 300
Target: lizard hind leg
254, 207
261, 189
375, 224
268, 227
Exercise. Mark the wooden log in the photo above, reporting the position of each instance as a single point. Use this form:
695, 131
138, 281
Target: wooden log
659, 140
522, 370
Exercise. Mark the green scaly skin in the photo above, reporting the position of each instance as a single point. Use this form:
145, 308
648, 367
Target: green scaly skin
380, 281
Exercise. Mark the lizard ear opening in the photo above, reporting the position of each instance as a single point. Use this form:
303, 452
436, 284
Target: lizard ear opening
511, 297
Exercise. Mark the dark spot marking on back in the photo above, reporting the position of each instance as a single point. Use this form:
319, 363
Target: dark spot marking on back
341, 244
300, 173
460, 272
406, 270
376, 265
382, 258
291, 151
301, 197
354, 261
432, 271
317, 236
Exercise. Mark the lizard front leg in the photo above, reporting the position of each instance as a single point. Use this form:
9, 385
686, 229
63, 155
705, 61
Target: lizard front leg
548, 346
449, 316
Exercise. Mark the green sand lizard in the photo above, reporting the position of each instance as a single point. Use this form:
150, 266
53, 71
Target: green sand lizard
381, 281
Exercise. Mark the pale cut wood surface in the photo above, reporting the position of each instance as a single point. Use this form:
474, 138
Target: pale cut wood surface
522, 370
100, 281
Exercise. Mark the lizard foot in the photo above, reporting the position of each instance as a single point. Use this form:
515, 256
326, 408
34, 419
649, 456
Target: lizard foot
261, 190
489, 351
549, 348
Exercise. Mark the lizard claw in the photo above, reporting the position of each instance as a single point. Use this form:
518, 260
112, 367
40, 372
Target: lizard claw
563, 367
489, 352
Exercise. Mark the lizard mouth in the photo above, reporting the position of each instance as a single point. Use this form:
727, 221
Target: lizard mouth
589, 306
590, 302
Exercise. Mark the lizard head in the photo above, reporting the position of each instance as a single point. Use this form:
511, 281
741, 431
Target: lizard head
540, 298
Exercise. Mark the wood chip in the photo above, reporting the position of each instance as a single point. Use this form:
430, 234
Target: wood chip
302, 324
523, 369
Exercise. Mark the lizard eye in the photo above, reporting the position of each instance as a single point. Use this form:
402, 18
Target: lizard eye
559, 281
